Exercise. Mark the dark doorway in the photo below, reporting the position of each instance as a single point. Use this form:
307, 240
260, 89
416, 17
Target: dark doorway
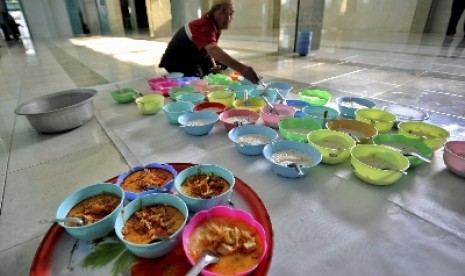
141, 12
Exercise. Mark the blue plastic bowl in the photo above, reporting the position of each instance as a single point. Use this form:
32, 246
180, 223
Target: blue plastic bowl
174, 110
291, 172
317, 113
97, 229
155, 249
240, 89
252, 149
348, 105
299, 105
194, 98
283, 87
204, 122
165, 189
198, 204
271, 95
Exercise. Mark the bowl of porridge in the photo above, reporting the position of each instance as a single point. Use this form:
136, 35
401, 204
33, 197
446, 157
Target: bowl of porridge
198, 123
348, 105
382, 120
321, 114
333, 145
291, 159
297, 129
361, 132
414, 149
378, 165
173, 110
225, 97
251, 139
218, 108
254, 104
238, 117
315, 97
433, 136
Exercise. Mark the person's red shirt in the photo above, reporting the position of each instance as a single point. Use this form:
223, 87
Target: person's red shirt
202, 31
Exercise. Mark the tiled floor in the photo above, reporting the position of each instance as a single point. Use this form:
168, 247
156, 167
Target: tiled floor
38, 171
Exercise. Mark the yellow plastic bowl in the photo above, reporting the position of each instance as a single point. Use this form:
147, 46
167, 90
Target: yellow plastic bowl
223, 96
150, 104
382, 120
370, 163
255, 104
433, 136
361, 132
333, 145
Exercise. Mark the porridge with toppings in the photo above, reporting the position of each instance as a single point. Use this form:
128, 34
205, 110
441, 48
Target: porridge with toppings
352, 104
239, 120
404, 149
150, 222
286, 157
301, 131
330, 144
94, 208
204, 185
353, 133
375, 161
199, 122
253, 139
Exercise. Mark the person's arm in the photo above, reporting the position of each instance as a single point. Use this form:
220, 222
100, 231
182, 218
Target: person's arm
219, 54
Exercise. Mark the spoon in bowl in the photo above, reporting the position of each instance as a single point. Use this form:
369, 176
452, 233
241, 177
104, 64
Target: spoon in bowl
205, 259
298, 168
417, 156
394, 170
76, 220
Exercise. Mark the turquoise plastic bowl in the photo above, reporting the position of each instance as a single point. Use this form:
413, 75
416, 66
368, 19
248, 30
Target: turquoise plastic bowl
194, 98
100, 228
155, 249
201, 129
198, 204
283, 87
240, 89
174, 110
317, 113
291, 172
252, 149
347, 108
271, 95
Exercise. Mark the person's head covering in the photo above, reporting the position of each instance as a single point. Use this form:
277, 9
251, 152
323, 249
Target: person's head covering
222, 2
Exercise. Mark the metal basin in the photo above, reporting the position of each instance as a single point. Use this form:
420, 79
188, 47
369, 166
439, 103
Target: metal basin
60, 111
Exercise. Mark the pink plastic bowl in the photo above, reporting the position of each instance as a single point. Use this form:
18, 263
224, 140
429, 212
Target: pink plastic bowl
221, 212
252, 118
454, 157
273, 119
163, 85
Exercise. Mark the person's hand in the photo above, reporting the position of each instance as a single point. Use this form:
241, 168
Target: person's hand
216, 69
250, 74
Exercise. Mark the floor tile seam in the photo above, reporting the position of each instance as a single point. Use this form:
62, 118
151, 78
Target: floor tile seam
406, 209
335, 77
23, 242
385, 51
60, 157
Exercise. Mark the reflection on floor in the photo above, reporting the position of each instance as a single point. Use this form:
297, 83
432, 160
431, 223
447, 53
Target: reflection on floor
38, 171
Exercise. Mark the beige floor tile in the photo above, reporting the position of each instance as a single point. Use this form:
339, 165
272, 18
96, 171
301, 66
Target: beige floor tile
14, 260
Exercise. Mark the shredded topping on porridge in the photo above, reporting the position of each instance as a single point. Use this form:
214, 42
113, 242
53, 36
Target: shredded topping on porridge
253, 139
199, 122
286, 157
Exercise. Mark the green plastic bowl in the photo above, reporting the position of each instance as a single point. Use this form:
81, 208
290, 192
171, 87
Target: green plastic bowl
383, 121
225, 97
333, 145
297, 129
124, 95
406, 145
433, 136
370, 163
314, 96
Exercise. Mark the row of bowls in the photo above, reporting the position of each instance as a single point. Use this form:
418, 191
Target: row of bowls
204, 209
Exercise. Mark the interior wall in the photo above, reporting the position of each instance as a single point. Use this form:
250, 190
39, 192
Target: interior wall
369, 15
